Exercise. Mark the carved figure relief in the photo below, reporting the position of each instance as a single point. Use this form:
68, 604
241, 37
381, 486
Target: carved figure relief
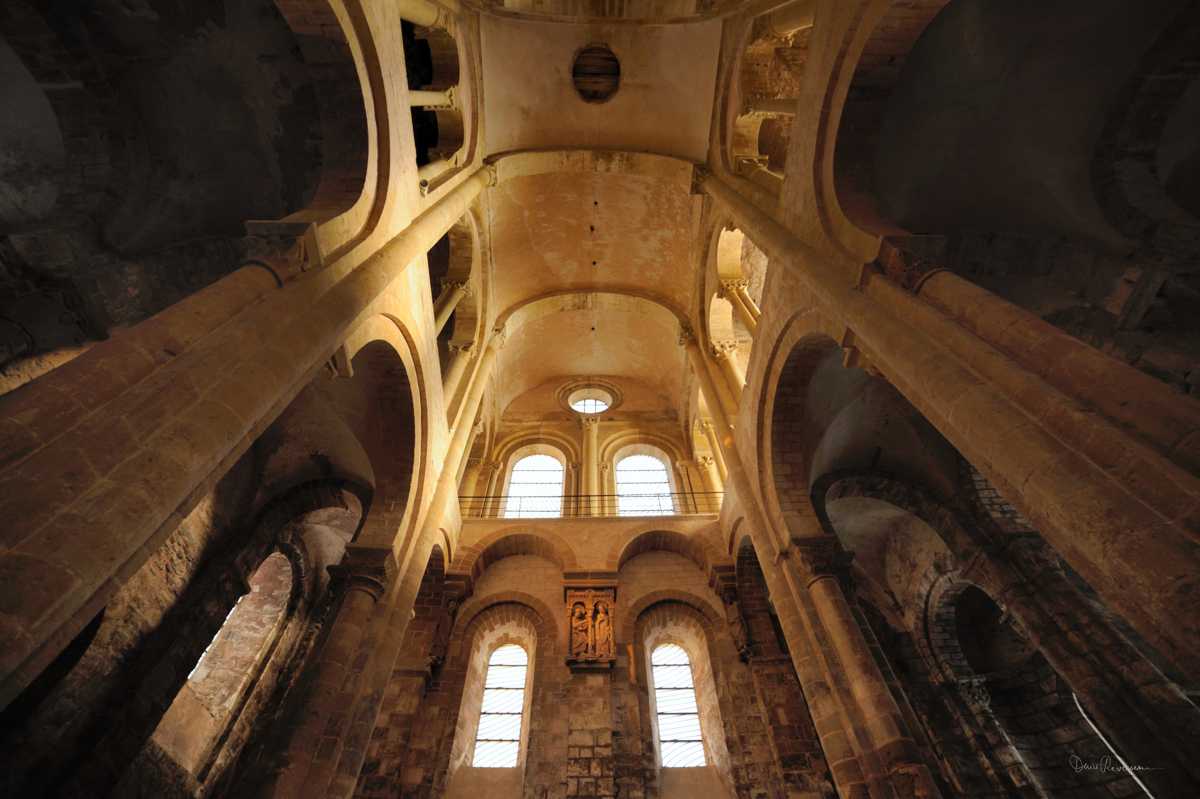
590, 618
581, 630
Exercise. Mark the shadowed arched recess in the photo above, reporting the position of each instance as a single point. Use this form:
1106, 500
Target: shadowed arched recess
476, 558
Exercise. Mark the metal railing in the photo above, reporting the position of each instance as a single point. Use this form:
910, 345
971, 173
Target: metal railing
574, 506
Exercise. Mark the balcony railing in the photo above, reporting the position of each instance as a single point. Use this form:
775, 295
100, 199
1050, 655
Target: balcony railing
517, 507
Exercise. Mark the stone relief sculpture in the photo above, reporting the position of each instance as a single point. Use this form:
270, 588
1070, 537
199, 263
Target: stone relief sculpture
441, 636
581, 630
737, 624
590, 619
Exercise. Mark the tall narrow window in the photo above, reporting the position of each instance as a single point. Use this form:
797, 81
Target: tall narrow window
535, 490
679, 742
643, 488
498, 742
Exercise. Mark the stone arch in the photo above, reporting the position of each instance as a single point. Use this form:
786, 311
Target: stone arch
324, 41
892, 36
1134, 198
384, 392
698, 550
784, 484
473, 560
557, 445
697, 608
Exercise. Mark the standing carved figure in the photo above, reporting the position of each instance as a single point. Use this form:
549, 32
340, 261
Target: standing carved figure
441, 636
581, 630
737, 624
604, 633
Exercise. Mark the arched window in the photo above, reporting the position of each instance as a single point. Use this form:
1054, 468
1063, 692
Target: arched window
535, 490
498, 741
679, 741
643, 488
193, 727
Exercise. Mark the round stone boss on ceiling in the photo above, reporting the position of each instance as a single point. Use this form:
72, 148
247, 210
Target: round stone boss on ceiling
596, 73
589, 395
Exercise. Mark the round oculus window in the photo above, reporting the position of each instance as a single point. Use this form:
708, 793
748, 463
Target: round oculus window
596, 73
590, 400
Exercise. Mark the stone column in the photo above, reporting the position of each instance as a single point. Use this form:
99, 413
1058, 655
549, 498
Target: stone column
476, 429
452, 293
364, 575
725, 354
707, 386
894, 752
710, 433
492, 502
460, 357
571, 504
743, 306
470, 477
1128, 397
712, 481
608, 491
1119, 513
422, 12
428, 99
172, 415
431, 172
591, 462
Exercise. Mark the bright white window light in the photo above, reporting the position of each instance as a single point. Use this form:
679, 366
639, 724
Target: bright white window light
643, 488
590, 406
679, 741
535, 490
498, 742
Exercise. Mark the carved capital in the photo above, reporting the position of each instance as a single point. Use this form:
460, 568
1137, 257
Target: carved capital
604, 467
686, 336
367, 569
734, 286
493, 174
707, 426
822, 557
458, 285
974, 690
462, 350
474, 463
495, 466
479, 427
573, 466
285, 249
724, 349
499, 338
589, 422
699, 174
706, 462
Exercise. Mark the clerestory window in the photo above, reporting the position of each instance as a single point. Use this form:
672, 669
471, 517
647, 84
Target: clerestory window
679, 742
535, 490
498, 741
643, 488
